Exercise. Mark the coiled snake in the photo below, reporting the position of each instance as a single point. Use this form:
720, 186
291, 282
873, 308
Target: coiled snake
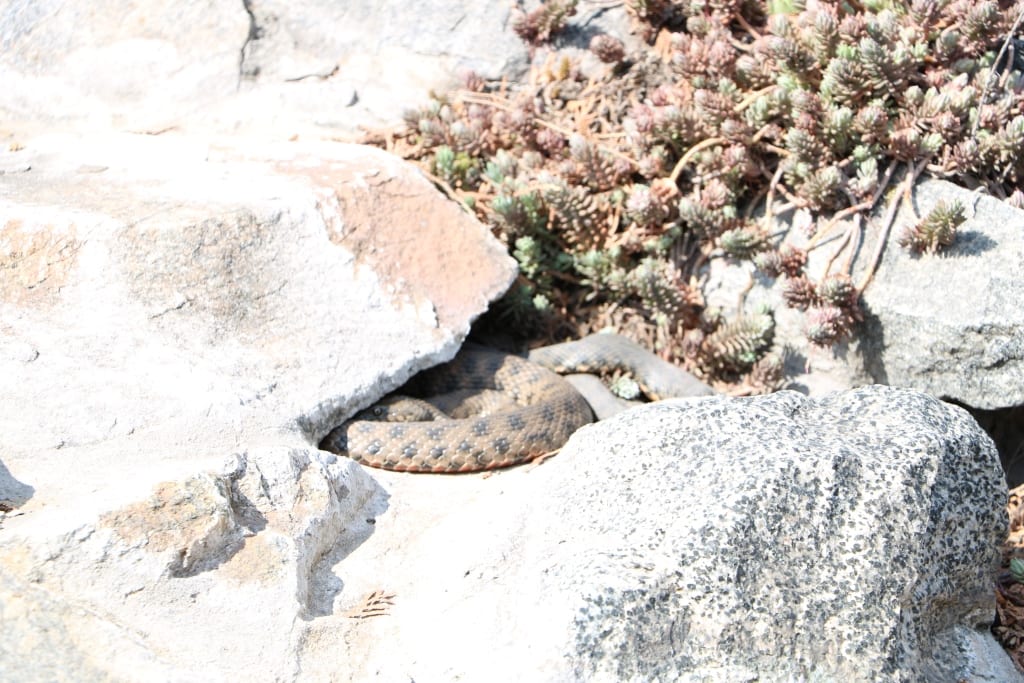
488, 409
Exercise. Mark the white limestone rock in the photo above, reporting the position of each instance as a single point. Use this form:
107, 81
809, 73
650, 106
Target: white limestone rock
168, 306
220, 567
261, 65
310, 67
130, 65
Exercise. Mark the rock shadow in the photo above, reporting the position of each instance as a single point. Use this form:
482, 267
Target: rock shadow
13, 493
1005, 426
872, 337
968, 243
324, 584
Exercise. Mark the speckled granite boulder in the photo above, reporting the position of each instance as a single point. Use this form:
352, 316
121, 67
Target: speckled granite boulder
849, 538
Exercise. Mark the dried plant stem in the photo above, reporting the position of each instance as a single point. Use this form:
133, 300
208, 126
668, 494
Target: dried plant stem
793, 199
740, 46
988, 78
890, 215
780, 209
781, 151
908, 197
690, 153
762, 193
764, 130
855, 209
770, 199
822, 233
746, 26
839, 250
447, 189
857, 231
742, 298
486, 100
371, 135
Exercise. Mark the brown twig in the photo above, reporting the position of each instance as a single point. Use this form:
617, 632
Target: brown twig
988, 77
487, 100
890, 215
447, 190
742, 298
746, 26
856, 209
858, 232
690, 153
839, 250
753, 97
822, 232
770, 199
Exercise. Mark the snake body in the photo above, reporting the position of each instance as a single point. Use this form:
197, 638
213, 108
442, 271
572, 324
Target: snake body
487, 409
601, 352
398, 434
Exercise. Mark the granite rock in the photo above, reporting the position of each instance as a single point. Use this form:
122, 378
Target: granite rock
778, 538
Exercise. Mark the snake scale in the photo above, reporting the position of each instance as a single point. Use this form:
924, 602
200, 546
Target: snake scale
486, 409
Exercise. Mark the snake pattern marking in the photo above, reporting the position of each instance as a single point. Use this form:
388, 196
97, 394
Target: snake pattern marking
486, 409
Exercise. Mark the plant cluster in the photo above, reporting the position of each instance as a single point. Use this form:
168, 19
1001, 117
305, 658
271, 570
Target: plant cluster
614, 177
937, 230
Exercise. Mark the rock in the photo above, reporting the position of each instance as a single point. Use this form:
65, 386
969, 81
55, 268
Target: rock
848, 538
277, 285
13, 493
181, 321
948, 324
377, 50
155, 589
260, 65
133, 65
856, 534
167, 306
278, 68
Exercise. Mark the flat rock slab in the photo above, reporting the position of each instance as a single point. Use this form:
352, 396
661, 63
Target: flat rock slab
261, 65
181, 324
306, 67
183, 301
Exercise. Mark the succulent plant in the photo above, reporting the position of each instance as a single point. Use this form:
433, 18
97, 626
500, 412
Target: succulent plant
612, 188
937, 230
800, 293
607, 48
735, 347
541, 24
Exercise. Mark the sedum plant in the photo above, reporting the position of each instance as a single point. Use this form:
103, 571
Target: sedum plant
614, 177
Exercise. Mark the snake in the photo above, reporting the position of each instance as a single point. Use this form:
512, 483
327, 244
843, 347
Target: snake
487, 409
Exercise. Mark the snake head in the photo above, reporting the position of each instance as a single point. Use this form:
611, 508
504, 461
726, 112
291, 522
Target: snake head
399, 408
